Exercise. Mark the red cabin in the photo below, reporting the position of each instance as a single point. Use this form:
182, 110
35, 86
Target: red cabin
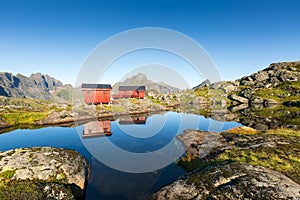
96, 93
131, 92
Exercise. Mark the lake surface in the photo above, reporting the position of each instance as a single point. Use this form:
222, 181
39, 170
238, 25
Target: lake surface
130, 157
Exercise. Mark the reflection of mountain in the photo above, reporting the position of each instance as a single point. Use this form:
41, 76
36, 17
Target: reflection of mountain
132, 120
97, 129
141, 79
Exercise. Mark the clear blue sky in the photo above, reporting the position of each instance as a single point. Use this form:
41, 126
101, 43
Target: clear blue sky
55, 36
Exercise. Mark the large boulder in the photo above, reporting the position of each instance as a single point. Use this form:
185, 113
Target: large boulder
54, 173
232, 181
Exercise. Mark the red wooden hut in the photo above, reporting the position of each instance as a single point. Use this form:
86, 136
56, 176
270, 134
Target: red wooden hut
131, 92
96, 93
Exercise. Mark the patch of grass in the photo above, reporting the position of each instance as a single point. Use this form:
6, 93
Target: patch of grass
118, 109
8, 174
286, 162
201, 92
21, 190
284, 132
17, 118
282, 93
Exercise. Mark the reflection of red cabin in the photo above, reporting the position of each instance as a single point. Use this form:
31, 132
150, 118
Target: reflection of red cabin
96, 129
96, 93
133, 120
131, 92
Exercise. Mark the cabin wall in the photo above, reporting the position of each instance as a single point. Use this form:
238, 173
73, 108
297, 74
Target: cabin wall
96, 96
131, 94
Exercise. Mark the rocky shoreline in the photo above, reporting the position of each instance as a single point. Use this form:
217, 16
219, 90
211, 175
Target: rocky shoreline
242, 163
42, 173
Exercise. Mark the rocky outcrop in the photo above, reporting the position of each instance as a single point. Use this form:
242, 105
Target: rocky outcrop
57, 173
205, 83
232, 181
37, 85
199, 143
273, 76
227, 172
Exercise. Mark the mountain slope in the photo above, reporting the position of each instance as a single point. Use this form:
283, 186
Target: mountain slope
37, 85
141, 79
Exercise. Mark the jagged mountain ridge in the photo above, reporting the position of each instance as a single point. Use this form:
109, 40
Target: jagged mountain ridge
39, 86
141, 79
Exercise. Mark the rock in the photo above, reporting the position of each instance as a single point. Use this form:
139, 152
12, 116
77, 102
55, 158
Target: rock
269, 102
247, 93
257, 100
232, 181
205, 83
238, 99
47, 166
199, 143
261, 76
238, 108
4, 124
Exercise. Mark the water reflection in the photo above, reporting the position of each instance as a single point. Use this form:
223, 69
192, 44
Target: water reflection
132, 120
97, 129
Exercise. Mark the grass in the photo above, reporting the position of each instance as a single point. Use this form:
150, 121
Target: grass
275, 159
284, 132
284, 158
118, 109
201, 92
19, 118
280, 93
8, 174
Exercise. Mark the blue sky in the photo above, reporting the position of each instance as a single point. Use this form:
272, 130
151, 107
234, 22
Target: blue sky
55, 36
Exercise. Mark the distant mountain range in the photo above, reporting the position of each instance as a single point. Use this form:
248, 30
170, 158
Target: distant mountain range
39, 86
43, 86
141, 79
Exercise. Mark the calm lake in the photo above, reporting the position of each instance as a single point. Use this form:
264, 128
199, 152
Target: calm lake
106, 144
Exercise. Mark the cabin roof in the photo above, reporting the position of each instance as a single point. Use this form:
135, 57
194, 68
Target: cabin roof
132, 88
95, 86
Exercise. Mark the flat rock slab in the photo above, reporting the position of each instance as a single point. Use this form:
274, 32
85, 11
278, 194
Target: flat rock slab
45, 167
232, 181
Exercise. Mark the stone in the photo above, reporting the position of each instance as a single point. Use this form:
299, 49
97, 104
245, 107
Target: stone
261, 76
46, 165
239, 99
232, 181
257, 100
205, 83
269, 102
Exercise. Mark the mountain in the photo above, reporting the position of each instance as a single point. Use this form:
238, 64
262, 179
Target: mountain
141, 79
39, 86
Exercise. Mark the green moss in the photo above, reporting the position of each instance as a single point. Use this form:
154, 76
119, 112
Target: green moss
282, 93
8, 174
284, 132
17, 118
201, 92
118, 109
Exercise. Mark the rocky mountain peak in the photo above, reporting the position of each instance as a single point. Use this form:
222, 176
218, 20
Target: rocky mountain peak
35, 86
141, 79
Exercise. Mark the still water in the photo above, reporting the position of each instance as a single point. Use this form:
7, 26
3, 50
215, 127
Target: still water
114, 149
